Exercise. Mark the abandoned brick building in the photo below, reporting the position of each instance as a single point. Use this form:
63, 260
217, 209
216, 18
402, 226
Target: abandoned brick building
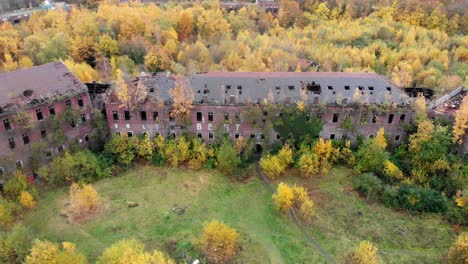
223, 100
49, 104
45, 103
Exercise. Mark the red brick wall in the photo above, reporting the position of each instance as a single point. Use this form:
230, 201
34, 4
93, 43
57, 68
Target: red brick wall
22, 152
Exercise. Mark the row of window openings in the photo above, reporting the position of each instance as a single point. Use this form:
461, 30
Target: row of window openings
26, 139
374, 118
397, 137
315, 88
40, 116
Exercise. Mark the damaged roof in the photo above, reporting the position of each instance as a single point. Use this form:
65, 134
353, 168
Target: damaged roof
40, 82
311, 87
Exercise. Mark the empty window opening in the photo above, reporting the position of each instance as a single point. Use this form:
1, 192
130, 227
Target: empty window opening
11, 142
73, 123
262, 136
43, 132
51, 110
171, 116
226, 116
127, 115
332, 136
389, 88
210, 135
86, 138
228, 87
68, 103
237, 115
371, 93
291, 87
151, 90
402, 117
371, 136
39, 114
6, 124
236, 135
330, 87
346, 87
210, 116
252, 135
199, 116
335, 117
83, 118
374, 118
199, 135
115, 115
130, 134
371, 88
80, 102
117, 133
308, 117
206, 91
265, 113
278, 136
360, 88
232, 99
2, 171
25, 138
143, 115
155, 115
314, 88
390, 118
19, 164
157, 134
397, 137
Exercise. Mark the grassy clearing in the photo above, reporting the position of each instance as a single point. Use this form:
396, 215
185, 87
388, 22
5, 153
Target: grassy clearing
344, 219
267, 236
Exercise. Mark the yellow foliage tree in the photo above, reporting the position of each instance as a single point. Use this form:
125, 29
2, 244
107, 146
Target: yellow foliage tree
219, 242
347, 154
380, 141
420, 108
182, 96
366, 253
145, 148
27, 200
423, 134
131, 251
82, 71
284, 197
309, 165
458, 253
307, 210
48, 252
272, 166
461, 122
285, 155
83, 200
393, 171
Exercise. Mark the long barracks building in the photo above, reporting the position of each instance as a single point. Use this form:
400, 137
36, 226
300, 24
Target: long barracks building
224, 102
46, 108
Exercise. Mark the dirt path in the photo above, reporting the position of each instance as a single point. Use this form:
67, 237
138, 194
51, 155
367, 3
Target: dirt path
296, 221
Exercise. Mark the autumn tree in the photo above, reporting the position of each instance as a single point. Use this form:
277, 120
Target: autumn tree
294, 198
15, 245
182, 99
420, 108
461, 122
392, 171
185, 25
308, 164
458, 253
107, 46
131, 251
82, 71
157, 60
84, 200
48, 252
326, 154
122, 147
366, 253
272, 166
6, 213
144, 148
27, 200
289, 12
219, 242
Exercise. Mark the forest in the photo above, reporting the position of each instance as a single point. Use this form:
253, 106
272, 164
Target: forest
406, 41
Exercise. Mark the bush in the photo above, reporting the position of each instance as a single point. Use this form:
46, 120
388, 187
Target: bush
284, 197
458, 253
6, 213
228, 159
219, 242
366, 253
457, 215
83, 200
15, 185
272, 166
416, 199
48, 252
16, 245
27, 200
129, 251
368, 185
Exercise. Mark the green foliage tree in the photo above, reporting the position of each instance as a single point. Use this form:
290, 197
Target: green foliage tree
293, 124
228, 159
15, 246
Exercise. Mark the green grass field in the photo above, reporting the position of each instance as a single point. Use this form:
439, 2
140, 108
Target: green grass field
343, 219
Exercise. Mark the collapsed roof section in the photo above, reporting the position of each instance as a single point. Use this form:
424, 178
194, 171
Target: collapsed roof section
310, 87
37, 84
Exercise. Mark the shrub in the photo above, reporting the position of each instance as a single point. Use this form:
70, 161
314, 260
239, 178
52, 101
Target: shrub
308, 165
392, 171
366, 253
368, 185
228, 160
415, 198
284, 197
272, 166
131, 251
16, 245
219, 242
6, 213
458, 253
83, 200
15, 185
48, 252
27, 200
457, 215
307, 210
